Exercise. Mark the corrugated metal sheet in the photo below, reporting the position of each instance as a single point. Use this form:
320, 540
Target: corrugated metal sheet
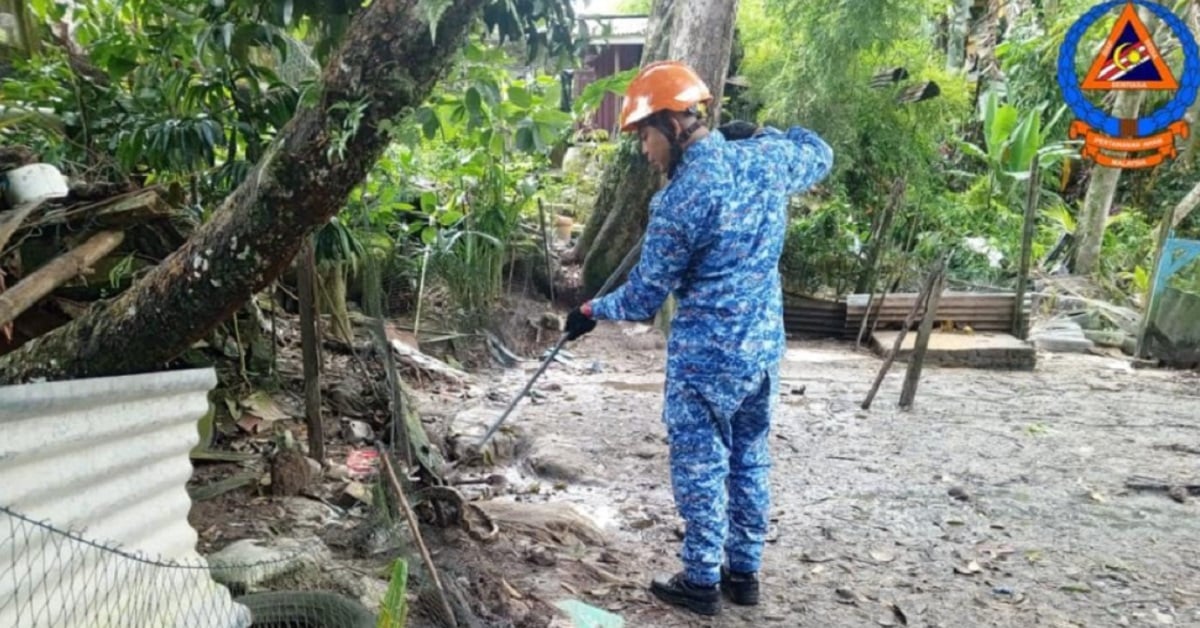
606, 61
808, 317
982, 311
106, 459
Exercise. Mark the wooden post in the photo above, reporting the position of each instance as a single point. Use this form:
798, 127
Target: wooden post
306, 273
908, 321
877, 242
1020, 325
879, 232
1164, 233
917, 360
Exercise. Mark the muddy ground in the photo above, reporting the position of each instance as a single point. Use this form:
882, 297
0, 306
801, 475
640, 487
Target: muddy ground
998, 500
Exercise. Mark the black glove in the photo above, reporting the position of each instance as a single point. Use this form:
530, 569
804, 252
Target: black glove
578, 324
738, 130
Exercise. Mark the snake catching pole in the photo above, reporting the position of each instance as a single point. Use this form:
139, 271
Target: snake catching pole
622, 268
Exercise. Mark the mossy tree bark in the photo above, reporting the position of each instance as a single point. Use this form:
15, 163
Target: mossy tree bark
387, 61
700, 33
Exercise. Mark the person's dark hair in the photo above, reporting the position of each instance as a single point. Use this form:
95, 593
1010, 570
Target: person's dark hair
738, 130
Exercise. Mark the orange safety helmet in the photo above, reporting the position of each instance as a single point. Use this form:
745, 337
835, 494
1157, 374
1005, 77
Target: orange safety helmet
662, 86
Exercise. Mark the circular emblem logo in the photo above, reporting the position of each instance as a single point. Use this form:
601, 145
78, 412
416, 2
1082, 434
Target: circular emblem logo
1129, 60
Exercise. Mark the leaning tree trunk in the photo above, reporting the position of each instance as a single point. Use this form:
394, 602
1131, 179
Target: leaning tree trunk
387, 60
701, 34
627, 183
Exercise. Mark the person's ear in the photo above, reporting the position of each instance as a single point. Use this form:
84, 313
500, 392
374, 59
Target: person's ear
676, 125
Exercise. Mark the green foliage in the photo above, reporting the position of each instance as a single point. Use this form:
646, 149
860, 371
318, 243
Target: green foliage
394, 611
462, 175
821, 251
1011, 139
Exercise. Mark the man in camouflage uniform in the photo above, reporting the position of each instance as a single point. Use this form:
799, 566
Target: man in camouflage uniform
715, 236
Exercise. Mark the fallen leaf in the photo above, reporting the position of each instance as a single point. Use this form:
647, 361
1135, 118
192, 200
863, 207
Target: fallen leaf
234, 410
250, 424
512, 592
360, 492
1096, 497
1076, 588
846, 596
970, 568
263, 406
882, 556
997, 552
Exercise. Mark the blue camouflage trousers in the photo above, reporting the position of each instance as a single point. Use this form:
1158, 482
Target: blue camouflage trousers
719, 464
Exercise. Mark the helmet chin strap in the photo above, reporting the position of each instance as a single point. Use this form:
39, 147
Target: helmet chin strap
662, 122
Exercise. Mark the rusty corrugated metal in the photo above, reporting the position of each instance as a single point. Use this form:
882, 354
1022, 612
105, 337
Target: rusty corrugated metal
105, 459
809, 317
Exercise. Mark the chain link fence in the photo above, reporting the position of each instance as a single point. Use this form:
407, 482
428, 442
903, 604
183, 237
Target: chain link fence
56, 578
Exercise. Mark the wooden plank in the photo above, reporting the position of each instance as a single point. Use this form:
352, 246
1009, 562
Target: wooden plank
44, 280
912, 316
966, 308
912, 375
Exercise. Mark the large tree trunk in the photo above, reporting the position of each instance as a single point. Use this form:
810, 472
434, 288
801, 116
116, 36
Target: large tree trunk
701, 34
1185, 206
627, 182
389, 61
956, 48
1102, 187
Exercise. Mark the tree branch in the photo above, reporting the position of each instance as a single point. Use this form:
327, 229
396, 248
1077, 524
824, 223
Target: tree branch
387, 61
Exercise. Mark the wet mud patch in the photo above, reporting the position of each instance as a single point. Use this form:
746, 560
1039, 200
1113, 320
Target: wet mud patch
998, 500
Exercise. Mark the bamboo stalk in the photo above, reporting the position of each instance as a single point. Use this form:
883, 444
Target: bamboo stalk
420, 293
877, 242
54, 273
546, 248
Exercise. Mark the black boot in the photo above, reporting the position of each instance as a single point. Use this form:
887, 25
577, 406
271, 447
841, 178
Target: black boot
742, 588
678, 591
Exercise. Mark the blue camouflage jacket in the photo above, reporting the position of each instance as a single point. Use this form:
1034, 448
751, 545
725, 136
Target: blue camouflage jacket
714, 238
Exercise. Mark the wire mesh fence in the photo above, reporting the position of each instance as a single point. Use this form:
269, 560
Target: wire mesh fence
57, 578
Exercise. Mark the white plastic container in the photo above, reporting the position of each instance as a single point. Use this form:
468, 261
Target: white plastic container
34, 182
